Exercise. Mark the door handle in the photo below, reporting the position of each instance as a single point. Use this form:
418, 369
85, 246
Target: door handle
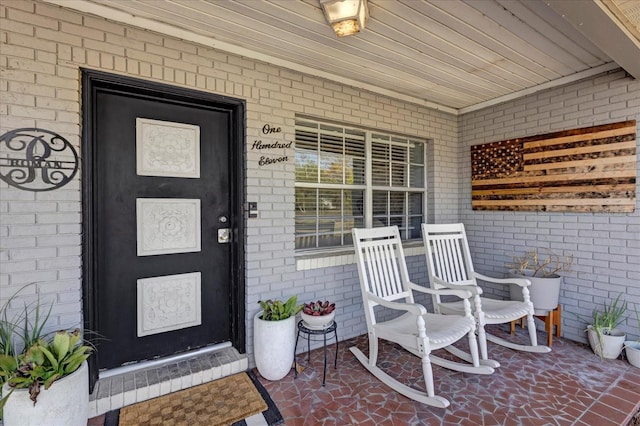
224, 235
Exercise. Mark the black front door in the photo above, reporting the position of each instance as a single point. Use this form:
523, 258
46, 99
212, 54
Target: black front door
165, 220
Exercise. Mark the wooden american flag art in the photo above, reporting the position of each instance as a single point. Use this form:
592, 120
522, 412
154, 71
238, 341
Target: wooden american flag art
592, 169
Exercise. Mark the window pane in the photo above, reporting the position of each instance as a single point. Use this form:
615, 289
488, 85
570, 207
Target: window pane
417, 177
380, 206
331, 143
306, 241
414, 228
380, 173
380, 151
306, 217
330, 168
330, 203
306, 153
329, 240
348, 237
379, 221
306, 202
306, 166
415, 203
354, 171
396, 203
398, 174
353, 203
397, 221
354, 144
399, 153
326, 227
354, 150
306, 225
416, 152
415, 214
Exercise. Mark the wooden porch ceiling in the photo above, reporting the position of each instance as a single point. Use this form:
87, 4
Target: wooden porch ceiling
452, 55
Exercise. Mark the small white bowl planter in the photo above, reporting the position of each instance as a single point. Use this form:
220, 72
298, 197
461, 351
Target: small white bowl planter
65, 403
319, 322
632, 349
607, 346
273, 346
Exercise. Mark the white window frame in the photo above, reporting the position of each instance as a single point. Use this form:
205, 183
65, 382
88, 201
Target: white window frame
368, 186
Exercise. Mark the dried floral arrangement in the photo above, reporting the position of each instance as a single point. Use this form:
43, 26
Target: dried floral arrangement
541, 266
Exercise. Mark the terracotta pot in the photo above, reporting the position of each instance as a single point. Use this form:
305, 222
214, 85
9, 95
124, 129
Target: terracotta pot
65, 403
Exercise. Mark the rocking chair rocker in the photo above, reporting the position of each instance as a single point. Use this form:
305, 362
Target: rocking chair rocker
450, 266
384, 281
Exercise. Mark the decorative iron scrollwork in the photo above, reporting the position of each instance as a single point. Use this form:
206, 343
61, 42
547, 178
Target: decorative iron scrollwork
36, 159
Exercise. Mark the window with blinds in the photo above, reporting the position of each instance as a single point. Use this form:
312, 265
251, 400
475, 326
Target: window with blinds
348, 177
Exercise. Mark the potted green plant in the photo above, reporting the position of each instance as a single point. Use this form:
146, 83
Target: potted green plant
632, 347
605, 339
46, 380
318, 315
23, 329
274, 337
542, 271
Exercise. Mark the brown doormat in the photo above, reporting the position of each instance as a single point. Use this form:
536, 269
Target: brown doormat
221, 402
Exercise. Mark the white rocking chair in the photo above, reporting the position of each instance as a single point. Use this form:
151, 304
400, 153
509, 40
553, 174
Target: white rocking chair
450, 266
384, 281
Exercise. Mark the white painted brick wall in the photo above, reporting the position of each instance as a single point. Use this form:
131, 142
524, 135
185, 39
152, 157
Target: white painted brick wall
42, 49
606, 247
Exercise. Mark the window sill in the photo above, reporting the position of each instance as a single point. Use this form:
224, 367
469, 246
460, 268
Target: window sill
345, 256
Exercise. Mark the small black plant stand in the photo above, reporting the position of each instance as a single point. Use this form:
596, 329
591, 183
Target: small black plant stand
314, 335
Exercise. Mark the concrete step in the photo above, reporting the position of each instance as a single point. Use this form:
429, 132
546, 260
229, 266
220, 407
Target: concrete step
136, 386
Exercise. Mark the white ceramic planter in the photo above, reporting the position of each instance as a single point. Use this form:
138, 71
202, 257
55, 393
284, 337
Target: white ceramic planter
607, 346
632, 349
319, 322
543, 292
273, 346
65, 403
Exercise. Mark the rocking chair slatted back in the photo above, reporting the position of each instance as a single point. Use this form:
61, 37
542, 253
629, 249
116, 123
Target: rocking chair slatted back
381, 263
449, 256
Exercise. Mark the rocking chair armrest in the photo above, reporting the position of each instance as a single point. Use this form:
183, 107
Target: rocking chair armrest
413, 308
461, 292
522, 282
474, 289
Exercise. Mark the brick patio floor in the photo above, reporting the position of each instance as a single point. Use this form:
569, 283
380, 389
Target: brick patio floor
569, 386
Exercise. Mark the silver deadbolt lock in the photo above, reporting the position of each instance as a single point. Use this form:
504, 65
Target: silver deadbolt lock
224, 235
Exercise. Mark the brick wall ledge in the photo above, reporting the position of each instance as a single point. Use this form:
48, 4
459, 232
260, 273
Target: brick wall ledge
345, 256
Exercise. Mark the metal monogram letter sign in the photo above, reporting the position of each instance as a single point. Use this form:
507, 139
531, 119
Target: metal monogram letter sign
36, 160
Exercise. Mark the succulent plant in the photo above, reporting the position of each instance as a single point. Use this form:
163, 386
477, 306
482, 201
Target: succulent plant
46, 361
319, 308
31, 358
275, 310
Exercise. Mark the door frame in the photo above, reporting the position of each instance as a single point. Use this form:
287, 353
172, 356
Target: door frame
94, 81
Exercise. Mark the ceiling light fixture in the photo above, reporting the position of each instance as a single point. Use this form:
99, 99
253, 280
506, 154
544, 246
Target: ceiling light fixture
346, 17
